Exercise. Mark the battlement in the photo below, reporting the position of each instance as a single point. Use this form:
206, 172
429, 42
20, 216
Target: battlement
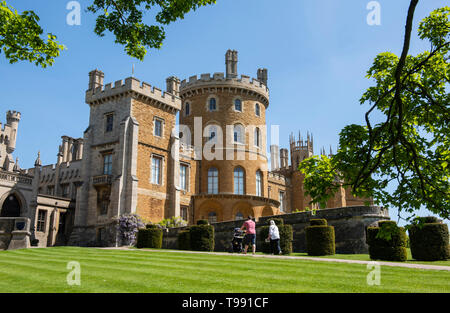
129, 85
219, 80
12, 116
276, 176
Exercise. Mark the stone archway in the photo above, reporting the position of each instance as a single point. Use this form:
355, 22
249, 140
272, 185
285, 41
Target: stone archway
243, 209
269, 211
11, 206
208, 209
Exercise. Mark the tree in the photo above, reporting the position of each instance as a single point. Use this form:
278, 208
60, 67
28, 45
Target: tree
410, 148
20, 34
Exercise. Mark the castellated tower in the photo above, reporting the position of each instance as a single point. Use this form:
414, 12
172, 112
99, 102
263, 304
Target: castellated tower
224, 118
300, 149
8, 137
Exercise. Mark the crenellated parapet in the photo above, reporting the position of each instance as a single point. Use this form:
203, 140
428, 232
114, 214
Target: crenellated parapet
218, 81
274, 176
134, 88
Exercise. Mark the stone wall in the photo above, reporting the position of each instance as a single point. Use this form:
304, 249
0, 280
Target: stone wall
350, 225
14, 233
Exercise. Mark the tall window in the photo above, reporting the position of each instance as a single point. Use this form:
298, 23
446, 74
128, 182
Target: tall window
259, 183
282, 202
107, 164
109, 122
213, 181
65, 190
183, 176
184, 213
257, 137
212, 217
156, 170
42, 215
238, 181
239, 216
212, 104
51, 190
158, 131
238, 105
187, 109
257, 109
238, 133
212, 134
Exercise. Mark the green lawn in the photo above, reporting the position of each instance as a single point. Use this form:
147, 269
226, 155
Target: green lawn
45, 270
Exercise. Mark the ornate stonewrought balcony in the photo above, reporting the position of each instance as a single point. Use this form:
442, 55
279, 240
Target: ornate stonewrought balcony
102, 180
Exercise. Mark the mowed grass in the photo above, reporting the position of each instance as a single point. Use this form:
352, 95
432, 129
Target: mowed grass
45, 270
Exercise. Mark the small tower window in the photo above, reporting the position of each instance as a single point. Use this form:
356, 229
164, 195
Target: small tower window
109, 122
238, 105
259, 183
187, 109
238, 133
257, 137
257, 110
158, 127
212, 104
239, 181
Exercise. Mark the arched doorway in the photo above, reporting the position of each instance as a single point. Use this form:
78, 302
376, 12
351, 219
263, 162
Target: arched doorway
10, 207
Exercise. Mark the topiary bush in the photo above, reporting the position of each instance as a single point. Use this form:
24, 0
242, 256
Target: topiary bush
201, 238
150, 238
429, 240
184, 240
387, 242
202, 222
320, 238
286, 237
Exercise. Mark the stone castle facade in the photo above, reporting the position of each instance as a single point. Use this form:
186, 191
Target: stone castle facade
134, 157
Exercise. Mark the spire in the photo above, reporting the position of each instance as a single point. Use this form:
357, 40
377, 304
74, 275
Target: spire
16, 167
38, 160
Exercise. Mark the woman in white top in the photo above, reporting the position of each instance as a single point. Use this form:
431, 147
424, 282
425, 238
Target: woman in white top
274, 237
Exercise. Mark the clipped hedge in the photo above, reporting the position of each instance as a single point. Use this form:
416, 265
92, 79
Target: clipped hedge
429, 241
320, 240
184, 240
202, 222
286, 237
318, 221
150, 238
387, 242
201, 238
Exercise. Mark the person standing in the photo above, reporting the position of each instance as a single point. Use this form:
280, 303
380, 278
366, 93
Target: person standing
250, 234
274, 236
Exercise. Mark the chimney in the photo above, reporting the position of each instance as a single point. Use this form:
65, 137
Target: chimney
231, 59
274, 157
262, 75
95, 79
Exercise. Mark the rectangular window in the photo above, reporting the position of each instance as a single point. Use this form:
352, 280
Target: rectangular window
51, 190
156, 170
184, 213
183, 176
158, 130
109, 122
42, 216
107, 164
65, 190
282, 201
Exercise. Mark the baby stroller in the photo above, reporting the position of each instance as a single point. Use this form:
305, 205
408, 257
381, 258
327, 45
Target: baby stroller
236, 242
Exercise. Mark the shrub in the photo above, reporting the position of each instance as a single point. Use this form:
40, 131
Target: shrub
184, 240
278, 221
429, 241
286, 236
202, 238
387, 242
150, 238
127, 226
173, 222
317, 221
320, 240
202, 222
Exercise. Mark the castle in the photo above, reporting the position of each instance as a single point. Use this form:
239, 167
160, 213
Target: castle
133, 158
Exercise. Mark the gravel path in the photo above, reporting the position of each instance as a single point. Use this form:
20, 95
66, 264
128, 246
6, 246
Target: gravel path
397, 264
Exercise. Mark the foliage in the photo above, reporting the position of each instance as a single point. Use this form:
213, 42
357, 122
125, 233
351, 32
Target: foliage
125, 19
318, 221
202, 237
202, 222
184, 240
320, 240
286, 236
429, 241
21, 38
387, 242
410, 147
150, 238
175, 221
128, 226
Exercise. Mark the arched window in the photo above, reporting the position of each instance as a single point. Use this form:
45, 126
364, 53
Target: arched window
213, 181
212, 104
257, 137
239, 181
257, 110
239, 216
11, 207
212, 133
259, 183
212, 217
238, 105
239, 133
187, 109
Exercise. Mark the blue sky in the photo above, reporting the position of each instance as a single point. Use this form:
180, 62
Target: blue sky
317, 54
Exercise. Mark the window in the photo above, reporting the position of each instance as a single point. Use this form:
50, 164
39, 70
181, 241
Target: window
109, 122
156, 170
107, 164
212, 217
183, 176
213, 181
239, 216
51, 190
238, 181
65, 190
259, 183
257, 109
184, 213
282, 201
158, 127
257, 137
238, 133
212, 104
238, 105
42, 216
187, 109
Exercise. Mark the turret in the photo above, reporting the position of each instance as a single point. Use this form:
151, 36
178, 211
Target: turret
95, 79
12, 119
231, 60
301, 149
173, 85
262, 75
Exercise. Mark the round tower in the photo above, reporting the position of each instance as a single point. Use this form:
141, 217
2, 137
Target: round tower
225, 121
12, 119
